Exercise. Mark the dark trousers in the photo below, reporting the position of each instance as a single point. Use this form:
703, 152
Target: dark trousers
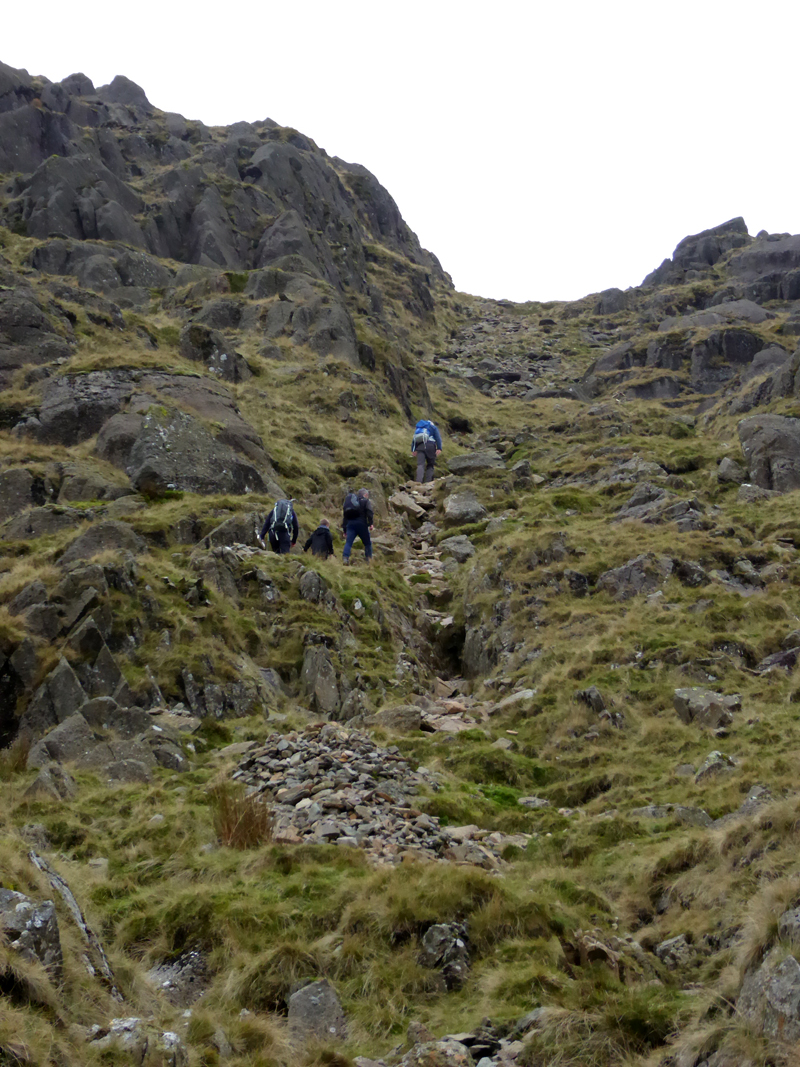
280, 543
426, 457
357, 528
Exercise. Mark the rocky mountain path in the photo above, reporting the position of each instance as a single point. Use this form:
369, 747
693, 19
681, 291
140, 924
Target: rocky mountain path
505, 352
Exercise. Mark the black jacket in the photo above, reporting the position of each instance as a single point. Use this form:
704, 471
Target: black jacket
320, 542
281, 533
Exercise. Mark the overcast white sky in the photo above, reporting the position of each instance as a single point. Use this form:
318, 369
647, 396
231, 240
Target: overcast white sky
541, 150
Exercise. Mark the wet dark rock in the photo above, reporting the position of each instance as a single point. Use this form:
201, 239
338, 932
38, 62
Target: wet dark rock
593, 698
34, 593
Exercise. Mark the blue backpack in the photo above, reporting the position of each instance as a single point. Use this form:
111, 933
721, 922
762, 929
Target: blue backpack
422, 434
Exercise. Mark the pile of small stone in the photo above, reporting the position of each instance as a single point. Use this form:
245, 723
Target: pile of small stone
328, 784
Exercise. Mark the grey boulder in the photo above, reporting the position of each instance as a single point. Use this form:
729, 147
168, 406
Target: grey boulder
705, 707
490, 459
459, 547
729, 472
315, 1013
460, 508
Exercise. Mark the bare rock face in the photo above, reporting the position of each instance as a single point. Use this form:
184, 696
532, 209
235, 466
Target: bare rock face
183, 979
175, 451
20, 490
315, 1013
68, 742
32, 930
40, 522
700, 251
771, 448
58, 697
644, 574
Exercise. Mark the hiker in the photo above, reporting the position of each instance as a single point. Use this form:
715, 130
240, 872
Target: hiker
357, 516
321, 540
426, 445
282, 527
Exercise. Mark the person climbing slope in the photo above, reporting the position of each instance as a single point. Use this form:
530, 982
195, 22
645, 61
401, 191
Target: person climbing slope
426, 445
282, 528
357, 517
321, 541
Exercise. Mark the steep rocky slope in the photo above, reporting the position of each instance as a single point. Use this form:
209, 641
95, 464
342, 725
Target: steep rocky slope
521, 792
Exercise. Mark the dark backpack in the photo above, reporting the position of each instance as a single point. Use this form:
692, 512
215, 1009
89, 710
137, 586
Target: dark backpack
352, 506
282, 515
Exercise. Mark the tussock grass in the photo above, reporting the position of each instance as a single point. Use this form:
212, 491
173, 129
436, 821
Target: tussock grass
240, 821
14, 759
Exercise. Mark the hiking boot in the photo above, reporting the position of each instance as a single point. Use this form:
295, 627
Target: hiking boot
345, 562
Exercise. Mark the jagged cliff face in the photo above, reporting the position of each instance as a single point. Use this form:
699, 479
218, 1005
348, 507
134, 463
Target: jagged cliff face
537, 763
